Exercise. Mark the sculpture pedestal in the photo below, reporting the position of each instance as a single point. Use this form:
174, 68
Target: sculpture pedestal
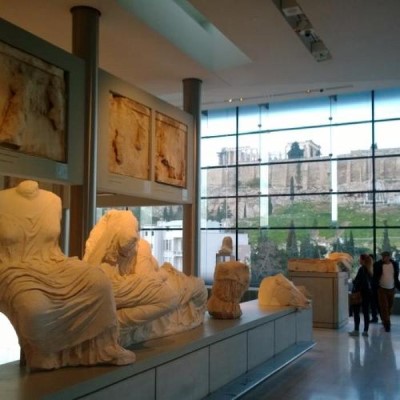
329, 291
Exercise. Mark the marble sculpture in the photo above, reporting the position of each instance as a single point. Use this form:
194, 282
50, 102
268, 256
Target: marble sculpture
277, 290
334, 262
231, 280
226, 247
62, 309
151, 301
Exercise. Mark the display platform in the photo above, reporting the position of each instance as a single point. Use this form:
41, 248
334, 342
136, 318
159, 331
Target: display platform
190, 365
329, 292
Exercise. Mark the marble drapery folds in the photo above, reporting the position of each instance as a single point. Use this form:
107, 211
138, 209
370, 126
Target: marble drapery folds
62, 309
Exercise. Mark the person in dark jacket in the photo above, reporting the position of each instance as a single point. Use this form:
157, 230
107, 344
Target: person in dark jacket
363, 283
374, 301
386, 279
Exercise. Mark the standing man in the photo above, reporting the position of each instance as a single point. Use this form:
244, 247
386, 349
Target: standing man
386, 279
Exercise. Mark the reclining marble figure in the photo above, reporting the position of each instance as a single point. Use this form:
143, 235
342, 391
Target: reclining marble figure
62, 309
151, 301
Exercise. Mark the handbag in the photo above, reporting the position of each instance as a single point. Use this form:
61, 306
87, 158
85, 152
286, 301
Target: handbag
355, 298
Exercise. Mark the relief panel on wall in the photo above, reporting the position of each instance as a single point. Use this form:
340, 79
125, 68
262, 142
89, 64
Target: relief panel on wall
32, 105
129, 137
170, 157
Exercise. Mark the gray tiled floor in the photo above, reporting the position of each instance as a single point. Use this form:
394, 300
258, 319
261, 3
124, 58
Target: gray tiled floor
340, 367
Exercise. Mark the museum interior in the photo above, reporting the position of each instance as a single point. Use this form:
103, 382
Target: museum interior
187, 190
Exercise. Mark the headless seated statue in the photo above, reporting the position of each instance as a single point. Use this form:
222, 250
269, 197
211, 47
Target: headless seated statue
62, 309
151, 301
231, 280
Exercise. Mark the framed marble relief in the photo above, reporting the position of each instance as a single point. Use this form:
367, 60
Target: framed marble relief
171, 150
32, 105
42, 113
129, 130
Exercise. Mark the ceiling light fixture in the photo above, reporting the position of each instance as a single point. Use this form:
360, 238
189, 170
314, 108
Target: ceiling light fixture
303, 28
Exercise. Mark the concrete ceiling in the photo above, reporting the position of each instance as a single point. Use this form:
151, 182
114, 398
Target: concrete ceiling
363, 37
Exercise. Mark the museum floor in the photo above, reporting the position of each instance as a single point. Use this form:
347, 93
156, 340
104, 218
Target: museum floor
340, 367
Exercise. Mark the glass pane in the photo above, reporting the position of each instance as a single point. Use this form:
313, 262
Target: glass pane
217, 213
388, 209
220, 181
352, 175
387, 138
301, 177
268, 254
218, 151
210, 243
160, 216
387, 103
387, 174
166, 245
352, 209
304, 211
250, 148
297, 144
388, 239
253, 118
351, 108
249, 180
249, 212
352, 140
297, 113
218, 122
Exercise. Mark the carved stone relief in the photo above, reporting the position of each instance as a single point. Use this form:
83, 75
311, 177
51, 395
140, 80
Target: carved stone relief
170, 163
32, 105
129, 137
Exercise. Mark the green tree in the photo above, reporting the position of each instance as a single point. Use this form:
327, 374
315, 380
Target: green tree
306, 246
291, 242
386, 246
291, 188
223, 211
295, 151
266, 259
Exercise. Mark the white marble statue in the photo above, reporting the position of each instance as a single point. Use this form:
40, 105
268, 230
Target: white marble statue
226, 247
277, 290
151, 301
231, 280
62, 309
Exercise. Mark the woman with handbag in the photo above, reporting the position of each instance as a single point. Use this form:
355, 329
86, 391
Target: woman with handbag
361, 295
